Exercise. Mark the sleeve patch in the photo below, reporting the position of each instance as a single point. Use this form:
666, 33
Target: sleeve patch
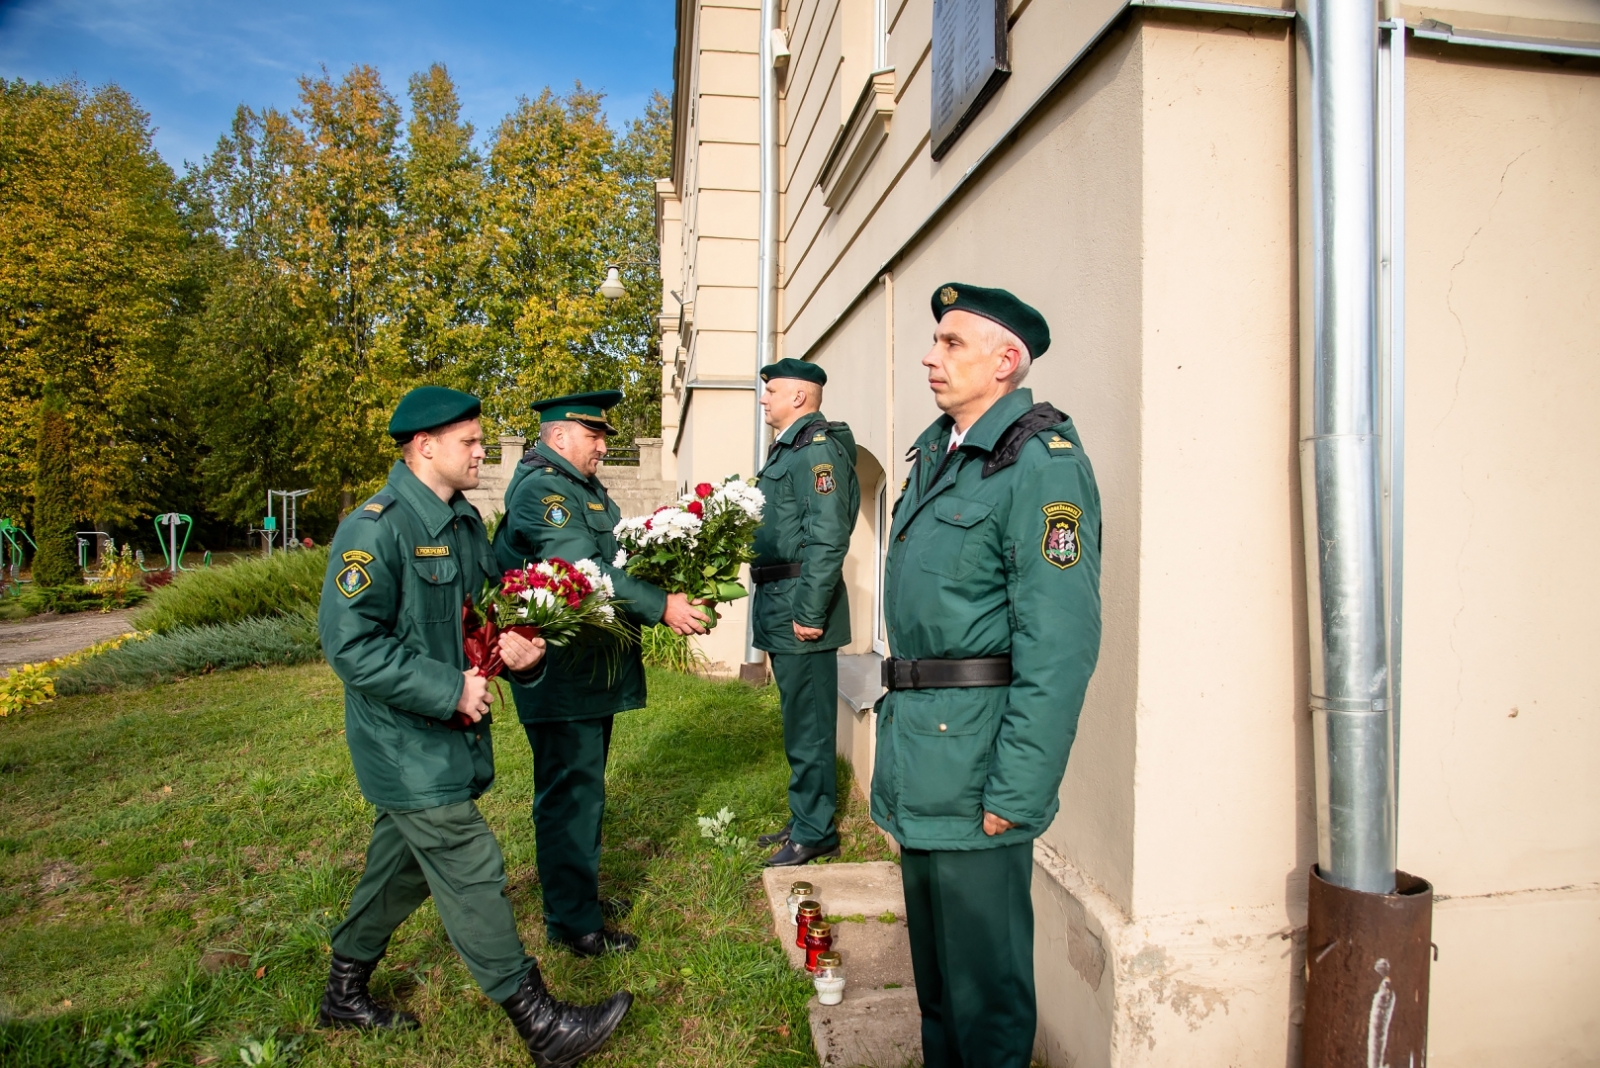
352, 580
1060, 546
356, 556
554, 498
824, 482
557, 515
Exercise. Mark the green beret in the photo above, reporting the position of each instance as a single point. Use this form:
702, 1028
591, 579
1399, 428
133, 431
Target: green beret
998, 305
431, 407
793, 368
586, 408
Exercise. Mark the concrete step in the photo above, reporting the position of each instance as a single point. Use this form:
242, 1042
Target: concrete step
878, 1024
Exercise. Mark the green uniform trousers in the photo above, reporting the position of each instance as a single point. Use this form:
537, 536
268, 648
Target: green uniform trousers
450, 853
569, 805
970, 915
808, 693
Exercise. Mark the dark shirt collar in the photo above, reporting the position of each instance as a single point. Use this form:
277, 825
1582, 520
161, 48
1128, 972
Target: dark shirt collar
434, 513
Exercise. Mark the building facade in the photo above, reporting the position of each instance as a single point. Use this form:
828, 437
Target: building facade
1135, 176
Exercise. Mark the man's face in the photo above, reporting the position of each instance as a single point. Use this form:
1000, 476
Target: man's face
961, 366
783, 400
581, 446
454, 452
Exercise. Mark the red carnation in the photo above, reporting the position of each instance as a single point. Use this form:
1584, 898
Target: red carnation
704, 490
696, 509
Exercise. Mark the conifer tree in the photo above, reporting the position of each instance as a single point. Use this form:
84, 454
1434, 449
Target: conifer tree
53, 528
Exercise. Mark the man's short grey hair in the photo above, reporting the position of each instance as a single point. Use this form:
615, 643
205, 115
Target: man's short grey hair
997, 338
548, 428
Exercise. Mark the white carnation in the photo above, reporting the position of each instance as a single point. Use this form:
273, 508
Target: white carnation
620, 560
544, 598
607, 611
588, 569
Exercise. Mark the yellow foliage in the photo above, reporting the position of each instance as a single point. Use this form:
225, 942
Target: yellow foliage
33, 684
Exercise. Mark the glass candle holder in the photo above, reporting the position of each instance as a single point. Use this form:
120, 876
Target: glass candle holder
797, 893
807, 912
829, 978
819, 939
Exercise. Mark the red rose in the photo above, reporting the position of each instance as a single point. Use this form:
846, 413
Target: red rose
696, 509
704, 490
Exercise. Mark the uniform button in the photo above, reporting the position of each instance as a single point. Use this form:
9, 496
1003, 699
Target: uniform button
480, 737
902, 537
943, 727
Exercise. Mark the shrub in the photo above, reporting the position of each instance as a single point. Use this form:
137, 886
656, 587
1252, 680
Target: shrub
662, 647
54, 564
283, 584
71, 598
194, 651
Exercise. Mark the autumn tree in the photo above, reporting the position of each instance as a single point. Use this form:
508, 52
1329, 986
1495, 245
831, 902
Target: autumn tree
92, 272
54, 564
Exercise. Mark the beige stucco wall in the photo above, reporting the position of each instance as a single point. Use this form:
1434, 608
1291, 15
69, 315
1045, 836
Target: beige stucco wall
1149, 212
1499, 801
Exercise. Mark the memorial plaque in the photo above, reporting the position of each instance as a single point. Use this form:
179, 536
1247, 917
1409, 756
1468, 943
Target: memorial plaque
969, 63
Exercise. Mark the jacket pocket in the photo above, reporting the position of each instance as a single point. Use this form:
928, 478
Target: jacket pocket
437, 597
944, 744
943, 544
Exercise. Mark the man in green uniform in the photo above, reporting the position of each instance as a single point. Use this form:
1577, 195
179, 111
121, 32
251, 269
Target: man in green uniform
555, 506
417, 723
992, 603
801, 610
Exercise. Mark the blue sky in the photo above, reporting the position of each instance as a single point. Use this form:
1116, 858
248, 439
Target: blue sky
190, 63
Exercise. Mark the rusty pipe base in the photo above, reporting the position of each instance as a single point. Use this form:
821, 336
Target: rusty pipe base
1367, 963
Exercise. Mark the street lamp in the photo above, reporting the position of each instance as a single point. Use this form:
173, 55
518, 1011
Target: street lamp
612, 288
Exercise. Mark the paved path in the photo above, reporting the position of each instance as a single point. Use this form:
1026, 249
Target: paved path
49, 636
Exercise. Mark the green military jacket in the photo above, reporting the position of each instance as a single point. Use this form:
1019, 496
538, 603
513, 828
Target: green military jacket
809, 481
552, 510
994, 549
400, 568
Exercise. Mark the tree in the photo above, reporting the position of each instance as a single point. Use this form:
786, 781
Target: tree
54, 530
93, 267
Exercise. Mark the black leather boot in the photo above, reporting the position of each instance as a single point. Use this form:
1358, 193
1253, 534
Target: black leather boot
347, 1003
557, 1034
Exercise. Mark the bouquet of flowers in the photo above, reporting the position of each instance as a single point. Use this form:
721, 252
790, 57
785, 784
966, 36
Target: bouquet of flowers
695, 546
561, 602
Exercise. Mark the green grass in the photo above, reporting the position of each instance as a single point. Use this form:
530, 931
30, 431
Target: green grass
141, 829
288, 583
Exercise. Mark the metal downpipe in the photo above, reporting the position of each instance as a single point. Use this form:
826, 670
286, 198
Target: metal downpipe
1339, 448
1368, 925
766, 260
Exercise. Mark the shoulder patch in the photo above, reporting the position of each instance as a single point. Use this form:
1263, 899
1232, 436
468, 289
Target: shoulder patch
818, 438
356, 556
554, 498
823, 481
352, 580
557, 515
1056, 441
432, 550
375, 507
1059, 546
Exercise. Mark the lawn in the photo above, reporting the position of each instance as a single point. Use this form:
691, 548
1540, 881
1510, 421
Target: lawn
172, 859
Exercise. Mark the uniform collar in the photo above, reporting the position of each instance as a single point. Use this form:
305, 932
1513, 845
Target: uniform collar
434, 513
792, 432
985, 432
560, 463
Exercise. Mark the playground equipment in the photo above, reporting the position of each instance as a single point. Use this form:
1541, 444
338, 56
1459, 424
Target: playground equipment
11, 554
99, 537
170, 547
288, 531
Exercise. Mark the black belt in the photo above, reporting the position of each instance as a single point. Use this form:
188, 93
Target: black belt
773, 572
900, 673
